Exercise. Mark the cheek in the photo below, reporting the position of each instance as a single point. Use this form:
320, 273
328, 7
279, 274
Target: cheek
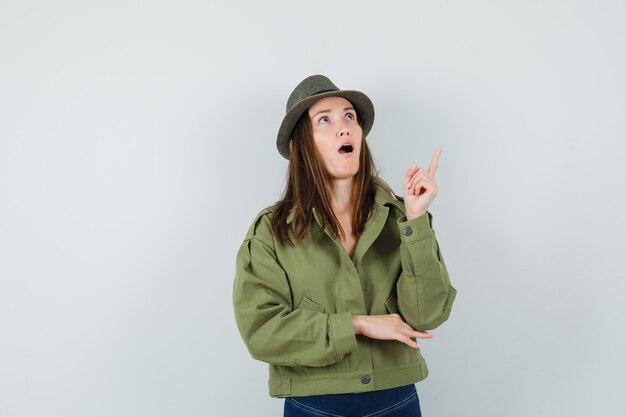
324, 147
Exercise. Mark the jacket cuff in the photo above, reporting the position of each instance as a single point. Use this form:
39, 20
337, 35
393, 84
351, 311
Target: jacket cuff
343, 333
416, 229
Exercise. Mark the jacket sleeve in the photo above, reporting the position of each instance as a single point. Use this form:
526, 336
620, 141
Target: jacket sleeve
272, 329
424, 293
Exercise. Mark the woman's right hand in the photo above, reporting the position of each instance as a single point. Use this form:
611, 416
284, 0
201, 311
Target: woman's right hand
388, 327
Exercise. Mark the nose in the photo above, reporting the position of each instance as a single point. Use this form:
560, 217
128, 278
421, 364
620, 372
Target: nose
343, 129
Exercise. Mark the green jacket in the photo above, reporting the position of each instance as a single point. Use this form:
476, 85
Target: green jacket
294, 305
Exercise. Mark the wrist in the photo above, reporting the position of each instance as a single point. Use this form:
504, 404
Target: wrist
357, 322
414, 215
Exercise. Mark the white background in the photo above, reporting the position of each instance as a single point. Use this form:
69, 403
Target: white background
137, 143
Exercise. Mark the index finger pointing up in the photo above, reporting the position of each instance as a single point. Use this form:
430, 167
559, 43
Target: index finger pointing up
434, 163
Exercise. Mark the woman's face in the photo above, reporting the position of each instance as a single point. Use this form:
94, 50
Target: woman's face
337, 136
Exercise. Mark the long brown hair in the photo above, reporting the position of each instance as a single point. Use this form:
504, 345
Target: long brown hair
306, 189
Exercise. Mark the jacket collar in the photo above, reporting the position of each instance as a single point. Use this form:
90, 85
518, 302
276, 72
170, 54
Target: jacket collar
316, 215
382, 197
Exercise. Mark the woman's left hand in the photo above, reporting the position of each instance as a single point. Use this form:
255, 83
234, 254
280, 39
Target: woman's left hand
420, 188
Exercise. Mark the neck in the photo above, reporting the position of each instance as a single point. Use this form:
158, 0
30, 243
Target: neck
341, 195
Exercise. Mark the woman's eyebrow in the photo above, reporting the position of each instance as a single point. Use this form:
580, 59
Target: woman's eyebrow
319, 112
328, 111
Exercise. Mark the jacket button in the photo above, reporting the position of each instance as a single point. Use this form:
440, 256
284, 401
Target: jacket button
407, 231
365, 379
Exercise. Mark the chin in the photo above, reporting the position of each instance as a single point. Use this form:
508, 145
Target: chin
344, 175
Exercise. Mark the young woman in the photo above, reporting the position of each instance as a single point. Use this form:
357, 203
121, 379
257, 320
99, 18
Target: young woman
337, 280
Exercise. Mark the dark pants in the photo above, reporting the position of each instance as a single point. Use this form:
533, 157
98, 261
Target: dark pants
395, 402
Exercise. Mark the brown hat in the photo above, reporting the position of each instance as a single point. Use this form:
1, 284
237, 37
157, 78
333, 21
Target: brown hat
308, 92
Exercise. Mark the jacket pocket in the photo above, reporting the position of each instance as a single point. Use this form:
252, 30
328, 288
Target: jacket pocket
308, 304
391, 304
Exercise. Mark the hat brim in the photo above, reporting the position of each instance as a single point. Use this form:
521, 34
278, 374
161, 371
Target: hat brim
362, 104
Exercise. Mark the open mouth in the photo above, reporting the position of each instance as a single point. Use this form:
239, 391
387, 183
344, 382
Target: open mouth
345, 148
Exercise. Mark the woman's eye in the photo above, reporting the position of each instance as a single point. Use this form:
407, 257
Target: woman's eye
350, 116
324, 120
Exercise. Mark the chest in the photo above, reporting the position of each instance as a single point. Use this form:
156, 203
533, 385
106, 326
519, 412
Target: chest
347, 275
349, 241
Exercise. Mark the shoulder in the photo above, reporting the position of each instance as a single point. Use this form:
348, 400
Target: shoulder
261, 227
384, 196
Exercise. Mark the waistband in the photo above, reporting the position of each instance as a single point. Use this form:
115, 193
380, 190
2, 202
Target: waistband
357, 404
